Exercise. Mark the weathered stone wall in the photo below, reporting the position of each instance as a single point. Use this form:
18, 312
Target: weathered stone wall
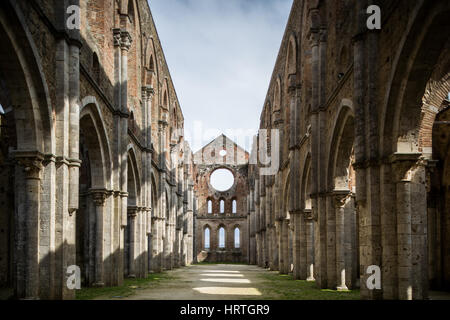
207, 160
99, 125
357, 114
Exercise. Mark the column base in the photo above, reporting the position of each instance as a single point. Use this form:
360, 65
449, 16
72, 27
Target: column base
131, 276
98, 285
342, 288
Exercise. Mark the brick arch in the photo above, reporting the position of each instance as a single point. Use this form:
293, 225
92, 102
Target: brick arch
421, 47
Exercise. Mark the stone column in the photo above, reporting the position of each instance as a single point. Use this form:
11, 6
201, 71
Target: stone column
132, 214
161, 228
125, 44
320, 236
27, 230
327, 209
309, 244
99, 197
284, 246
299, 245
411, 226
149, 239
340, 199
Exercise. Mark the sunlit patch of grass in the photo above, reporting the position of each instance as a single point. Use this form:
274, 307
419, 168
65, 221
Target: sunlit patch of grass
128, 288
283, 287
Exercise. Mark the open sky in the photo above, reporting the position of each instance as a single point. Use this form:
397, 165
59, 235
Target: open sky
221, 54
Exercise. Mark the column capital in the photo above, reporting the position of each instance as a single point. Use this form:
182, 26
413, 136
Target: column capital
402, 164
126, 40
99, 196
163, 124
31, 161
122, 38
117, 37
340, 197
314, 37
148, 92
323, 34
308, 214
292, 85
132, 211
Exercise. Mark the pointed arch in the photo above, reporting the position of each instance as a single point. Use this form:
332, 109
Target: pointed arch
237, 237
134, 180
306, 184
341, 148
93, 128
26, 82
291, 56
222, 236
206, 237
150, 72
277, 96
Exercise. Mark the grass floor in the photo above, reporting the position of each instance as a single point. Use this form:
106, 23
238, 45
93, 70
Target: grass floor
283, 287
128, 288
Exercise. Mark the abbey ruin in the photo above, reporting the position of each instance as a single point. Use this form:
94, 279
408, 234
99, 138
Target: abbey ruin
95, 171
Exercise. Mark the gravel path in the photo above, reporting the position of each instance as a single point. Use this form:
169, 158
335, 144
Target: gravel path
206, 282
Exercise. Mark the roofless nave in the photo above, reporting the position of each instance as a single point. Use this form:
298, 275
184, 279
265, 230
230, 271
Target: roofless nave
95, 171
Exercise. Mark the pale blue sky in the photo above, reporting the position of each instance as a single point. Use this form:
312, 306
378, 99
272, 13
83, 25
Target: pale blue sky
221, 54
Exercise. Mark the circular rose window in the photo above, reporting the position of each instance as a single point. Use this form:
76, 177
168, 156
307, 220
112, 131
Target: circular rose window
222, 179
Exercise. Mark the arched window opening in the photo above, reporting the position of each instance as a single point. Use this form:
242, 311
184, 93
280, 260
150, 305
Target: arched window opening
152, 64
234, 206
151, 71
210, 206
165, 100
96, 68
222, 206
207, 238
222, 238
131, 11
237, 238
